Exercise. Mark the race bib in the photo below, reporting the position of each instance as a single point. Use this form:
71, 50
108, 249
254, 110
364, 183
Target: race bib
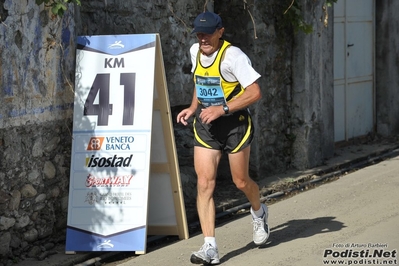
209, 91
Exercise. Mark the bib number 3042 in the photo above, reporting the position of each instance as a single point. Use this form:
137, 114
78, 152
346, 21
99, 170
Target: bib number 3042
103, 109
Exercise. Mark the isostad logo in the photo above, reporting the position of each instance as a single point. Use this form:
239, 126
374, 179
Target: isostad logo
113, 161
95, 143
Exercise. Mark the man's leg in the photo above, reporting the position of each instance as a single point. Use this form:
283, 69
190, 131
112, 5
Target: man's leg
206, 162
239, 167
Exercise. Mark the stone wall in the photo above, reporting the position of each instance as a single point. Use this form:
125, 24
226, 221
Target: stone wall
37, 53
36, 81
34, 181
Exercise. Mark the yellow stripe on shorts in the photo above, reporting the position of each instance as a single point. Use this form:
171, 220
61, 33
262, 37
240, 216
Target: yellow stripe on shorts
197, 137
245, 138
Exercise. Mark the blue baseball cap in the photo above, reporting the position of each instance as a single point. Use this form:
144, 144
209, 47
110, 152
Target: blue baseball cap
207, 22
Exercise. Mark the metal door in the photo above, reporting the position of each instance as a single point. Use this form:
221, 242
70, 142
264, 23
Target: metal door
354, 94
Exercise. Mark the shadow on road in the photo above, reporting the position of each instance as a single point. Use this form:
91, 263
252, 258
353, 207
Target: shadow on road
291, 230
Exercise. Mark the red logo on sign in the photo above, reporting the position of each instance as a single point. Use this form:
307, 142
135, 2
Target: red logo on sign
109, 181
95, 143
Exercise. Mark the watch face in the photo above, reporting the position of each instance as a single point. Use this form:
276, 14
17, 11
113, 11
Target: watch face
226, 109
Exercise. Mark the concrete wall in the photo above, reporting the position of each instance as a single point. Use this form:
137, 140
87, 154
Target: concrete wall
387, 67
312, 108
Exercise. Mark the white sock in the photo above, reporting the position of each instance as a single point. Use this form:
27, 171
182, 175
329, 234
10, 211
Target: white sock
211, 240
257, 214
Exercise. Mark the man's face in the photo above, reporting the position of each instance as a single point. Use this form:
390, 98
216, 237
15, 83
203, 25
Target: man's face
209, 43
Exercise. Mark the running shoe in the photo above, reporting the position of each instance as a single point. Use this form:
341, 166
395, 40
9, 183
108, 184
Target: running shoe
261, 229
207, 254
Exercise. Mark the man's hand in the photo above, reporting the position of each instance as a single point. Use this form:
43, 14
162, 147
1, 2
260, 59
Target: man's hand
184, 115
211, 113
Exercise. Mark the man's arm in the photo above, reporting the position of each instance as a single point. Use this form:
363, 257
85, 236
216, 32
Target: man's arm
251, 94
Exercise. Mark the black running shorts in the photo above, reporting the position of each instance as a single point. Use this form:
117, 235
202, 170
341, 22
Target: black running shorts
229, 133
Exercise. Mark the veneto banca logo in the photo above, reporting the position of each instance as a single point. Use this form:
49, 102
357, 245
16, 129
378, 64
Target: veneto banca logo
95, 143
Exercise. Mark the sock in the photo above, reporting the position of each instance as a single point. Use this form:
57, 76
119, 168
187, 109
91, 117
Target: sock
259, 213
210, 240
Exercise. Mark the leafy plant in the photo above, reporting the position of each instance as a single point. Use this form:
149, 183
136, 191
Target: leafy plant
58, 7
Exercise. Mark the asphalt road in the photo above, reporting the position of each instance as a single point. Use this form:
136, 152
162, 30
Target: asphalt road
351, 221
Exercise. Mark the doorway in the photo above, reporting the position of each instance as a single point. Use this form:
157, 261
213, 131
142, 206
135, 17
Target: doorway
354, 68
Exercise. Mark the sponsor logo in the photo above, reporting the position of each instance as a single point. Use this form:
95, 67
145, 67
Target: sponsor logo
110, 181
109, 198
113, 161
92, 198
95, 143
116, 45
120, 143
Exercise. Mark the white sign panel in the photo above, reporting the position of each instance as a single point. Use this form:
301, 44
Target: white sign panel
111, 146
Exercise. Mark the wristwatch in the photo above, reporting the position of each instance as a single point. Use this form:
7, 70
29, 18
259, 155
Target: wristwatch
225, 109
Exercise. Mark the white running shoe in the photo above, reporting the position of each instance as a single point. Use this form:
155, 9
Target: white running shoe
261, 229
207, 254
